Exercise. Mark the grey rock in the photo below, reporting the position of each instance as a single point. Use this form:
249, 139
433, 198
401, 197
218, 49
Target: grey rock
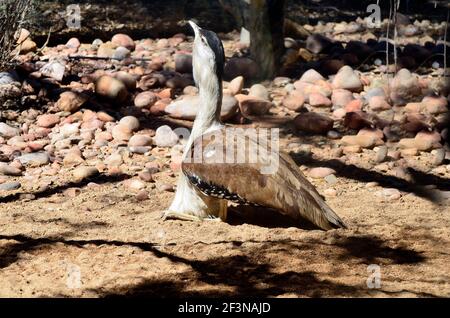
7, 131
9, 186
54, 70
8, 78
165, 137
34, 159
381, 154
121, 53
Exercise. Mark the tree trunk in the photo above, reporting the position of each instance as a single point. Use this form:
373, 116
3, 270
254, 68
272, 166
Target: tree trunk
266, 24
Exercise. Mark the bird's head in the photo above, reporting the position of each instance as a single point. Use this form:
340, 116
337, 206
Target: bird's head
208, 56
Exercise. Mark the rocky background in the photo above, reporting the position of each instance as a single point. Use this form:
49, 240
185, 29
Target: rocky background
94, 112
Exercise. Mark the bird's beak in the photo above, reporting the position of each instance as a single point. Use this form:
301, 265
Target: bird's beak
194, 27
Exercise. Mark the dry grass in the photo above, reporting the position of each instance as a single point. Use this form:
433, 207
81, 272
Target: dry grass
12, 17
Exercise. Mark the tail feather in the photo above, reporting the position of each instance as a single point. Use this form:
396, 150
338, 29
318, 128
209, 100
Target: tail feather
312, 207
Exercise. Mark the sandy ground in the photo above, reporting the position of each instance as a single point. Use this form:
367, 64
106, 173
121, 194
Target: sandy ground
104, 242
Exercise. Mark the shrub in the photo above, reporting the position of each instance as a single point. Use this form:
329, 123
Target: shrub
12, 17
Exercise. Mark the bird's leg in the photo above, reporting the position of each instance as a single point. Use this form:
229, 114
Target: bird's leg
223, 210
188, 204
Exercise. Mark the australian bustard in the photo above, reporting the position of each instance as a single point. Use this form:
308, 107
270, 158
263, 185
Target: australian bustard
204, 188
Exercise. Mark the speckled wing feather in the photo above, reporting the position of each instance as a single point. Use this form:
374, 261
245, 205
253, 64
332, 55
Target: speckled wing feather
285, 189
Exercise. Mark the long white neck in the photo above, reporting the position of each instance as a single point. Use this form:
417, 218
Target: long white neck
208, 115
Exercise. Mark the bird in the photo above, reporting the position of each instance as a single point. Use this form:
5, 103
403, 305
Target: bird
208, 181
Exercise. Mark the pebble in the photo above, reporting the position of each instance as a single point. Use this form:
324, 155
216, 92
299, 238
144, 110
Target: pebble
146, 176
54, 69
348, 79
114, 160
129, 122
128, 79
73, 43
73, 158
135, 184
106, 50
357, 120
331, 179
390, 194
438, 156
124, 40
425, 141
381, 154
341, 97
409, 152
69, 130
7, 131
336, 152
142, 195
34, 159
111, 88
9, 170
378, 103
366, 138
404, 87
259, 91
70, 101
47, 120
351, 149
121, 133
139, 149
72, 192
165, 137
330, 192
121, 53
104, 117
318, 100
9, 186
253, 106
188, 106
311, 76
339, 113
236, 85
313, 123
84, 172
333, 134
294, 100
166, 187
140, 141
435, 105
320, 172
145, 99
372, 184
375, 91
8, 78
183, 63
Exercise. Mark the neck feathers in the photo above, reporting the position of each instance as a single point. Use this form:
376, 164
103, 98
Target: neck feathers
210, 92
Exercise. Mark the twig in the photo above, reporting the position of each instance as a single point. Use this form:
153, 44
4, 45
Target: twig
94, 57
46, 42
396, 5
445, 44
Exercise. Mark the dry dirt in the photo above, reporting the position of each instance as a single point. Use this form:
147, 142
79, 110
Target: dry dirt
118, 245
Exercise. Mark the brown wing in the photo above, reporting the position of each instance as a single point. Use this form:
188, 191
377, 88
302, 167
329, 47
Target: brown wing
215, 172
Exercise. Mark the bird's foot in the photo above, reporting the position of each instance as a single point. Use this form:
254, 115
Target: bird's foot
173, 215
